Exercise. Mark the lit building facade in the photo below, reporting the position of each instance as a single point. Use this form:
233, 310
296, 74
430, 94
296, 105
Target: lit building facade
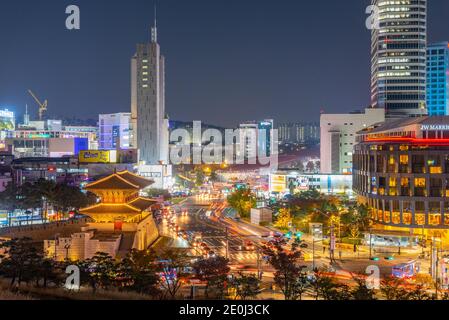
401, 170
398, 58
41, 143
114, 131
438, 79
338, 133
7, 126
292, 182
257, 138
299, 132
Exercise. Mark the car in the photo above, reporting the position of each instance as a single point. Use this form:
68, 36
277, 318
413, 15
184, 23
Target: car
249, 246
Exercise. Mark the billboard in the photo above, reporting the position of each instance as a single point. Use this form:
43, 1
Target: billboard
278, 183
98, 156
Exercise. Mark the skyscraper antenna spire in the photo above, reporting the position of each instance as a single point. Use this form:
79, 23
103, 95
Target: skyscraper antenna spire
154, 28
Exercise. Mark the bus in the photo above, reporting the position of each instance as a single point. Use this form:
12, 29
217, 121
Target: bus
406, 270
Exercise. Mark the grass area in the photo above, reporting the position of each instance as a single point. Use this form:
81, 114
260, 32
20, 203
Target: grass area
28, 292
176, 201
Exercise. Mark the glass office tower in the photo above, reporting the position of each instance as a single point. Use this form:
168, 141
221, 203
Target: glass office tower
438, 79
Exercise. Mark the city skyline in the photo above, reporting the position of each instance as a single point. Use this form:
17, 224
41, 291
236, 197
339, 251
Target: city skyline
198, 39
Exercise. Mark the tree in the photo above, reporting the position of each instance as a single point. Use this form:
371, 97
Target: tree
200, 177
419, 293
172, 264
246, 286
98, 271
327, 288
138, 272
361, 291
44, 193
310, 167
214, 177
155, 193
284, 219
242, 200
287, 273
20, 260
392, 289
214, 271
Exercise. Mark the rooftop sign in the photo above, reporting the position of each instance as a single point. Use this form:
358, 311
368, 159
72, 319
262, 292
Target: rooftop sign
435, 127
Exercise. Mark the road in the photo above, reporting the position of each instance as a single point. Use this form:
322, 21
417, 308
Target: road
226, 237
224, 240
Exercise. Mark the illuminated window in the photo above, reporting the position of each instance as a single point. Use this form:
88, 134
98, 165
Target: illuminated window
392, 182
145, 73
396, 218
420, 182
387, 217
145, 86
380, 215
403, 159
407, 218
405, 182
391, 160
420, 219
446, 219
434, 219
403, 148
436, 170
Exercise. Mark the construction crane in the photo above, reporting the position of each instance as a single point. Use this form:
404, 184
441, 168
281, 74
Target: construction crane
42, 106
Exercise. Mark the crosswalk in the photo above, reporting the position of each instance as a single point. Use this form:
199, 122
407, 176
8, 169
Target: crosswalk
243, 256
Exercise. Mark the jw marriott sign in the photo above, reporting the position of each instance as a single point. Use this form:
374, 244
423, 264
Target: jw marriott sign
435, 127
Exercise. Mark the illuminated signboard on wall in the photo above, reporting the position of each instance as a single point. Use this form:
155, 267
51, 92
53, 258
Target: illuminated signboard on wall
435, 127
97, 156
278, 183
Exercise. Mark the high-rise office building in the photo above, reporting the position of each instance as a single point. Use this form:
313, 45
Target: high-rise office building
398, 58
438, 79
148, 123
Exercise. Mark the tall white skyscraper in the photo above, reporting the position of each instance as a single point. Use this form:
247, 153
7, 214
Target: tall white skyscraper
398, 58
148, 122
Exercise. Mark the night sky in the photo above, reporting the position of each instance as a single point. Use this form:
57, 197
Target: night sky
227, 60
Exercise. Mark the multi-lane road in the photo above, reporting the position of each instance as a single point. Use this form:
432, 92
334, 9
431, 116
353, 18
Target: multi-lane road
230, 238
221, 238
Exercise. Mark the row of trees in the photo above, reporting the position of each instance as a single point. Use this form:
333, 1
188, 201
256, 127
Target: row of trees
162, 275
294, 281
44, 194
158, 275
312, 206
